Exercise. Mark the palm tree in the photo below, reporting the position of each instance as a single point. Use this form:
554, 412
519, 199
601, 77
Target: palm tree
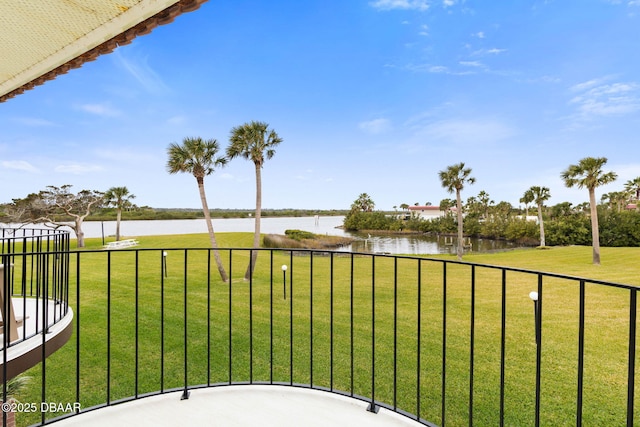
633, 185
453, 179
588, 173
364, 203
254, 141
527, 198
120, 198
540, 195
198, 157
617, 199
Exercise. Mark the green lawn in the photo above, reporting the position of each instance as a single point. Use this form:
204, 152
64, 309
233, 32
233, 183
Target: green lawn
322, 309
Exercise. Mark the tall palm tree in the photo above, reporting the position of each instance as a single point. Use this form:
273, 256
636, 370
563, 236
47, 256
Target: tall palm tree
588, 173
120, 198
256, 142
198, 157
453, 178
540, 195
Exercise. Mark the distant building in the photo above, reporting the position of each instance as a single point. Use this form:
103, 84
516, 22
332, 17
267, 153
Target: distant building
427, 212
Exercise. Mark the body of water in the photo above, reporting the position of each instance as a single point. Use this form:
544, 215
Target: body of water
415, 244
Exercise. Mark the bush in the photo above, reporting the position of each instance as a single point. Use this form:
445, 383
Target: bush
619, 228
520, 230
369, 221
299, 234
570, 230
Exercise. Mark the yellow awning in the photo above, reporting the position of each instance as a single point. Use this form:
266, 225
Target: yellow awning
41, 39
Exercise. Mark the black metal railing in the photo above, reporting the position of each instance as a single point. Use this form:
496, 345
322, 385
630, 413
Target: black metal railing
439, 341
34, 266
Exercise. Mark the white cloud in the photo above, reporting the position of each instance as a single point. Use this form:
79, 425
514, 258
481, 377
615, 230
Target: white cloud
177, 120
472, 64
437, 69
466, 131
596, 98
78, 168
140, 69
20, 165
448, 3
103, 110
421, 5
492, 51
32, 121
479, 34
375, 126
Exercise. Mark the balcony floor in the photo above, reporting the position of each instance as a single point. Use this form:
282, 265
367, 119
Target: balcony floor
25, 353
242, 405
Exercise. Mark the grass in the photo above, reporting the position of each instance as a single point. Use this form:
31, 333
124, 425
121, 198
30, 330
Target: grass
322, 305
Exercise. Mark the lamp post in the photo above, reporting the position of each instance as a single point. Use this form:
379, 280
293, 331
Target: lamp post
534, 297
164, 262
284, 281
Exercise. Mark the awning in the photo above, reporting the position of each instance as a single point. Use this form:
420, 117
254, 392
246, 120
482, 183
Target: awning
41, 39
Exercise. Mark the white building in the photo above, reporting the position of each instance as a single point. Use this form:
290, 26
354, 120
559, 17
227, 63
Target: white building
426, 212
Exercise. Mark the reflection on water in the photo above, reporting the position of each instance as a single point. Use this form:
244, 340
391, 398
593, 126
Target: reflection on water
421, 244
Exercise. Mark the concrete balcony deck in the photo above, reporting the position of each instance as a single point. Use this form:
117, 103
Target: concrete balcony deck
242, 405
25, 353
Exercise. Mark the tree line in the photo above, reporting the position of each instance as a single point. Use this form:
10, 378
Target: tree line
562, 224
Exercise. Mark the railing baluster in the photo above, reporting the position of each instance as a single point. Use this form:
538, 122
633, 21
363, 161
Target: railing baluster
372, 404
271, 318
291, 318
443, 415
538, 326
503, 339
163, 273
472, 342
331, 322
632, 355
108, 388
395, 333
230, 316
251, 316
580, 356
208, 317
351, 326
137, 320
185, 393
419, 345
78, 330
311, 318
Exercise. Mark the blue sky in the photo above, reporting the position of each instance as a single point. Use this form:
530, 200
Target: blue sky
370, 96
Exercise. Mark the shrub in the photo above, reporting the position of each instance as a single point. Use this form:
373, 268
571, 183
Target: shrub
299, 234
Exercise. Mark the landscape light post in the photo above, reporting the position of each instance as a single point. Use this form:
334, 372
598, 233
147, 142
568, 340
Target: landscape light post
284, 281
534, 297
164, 263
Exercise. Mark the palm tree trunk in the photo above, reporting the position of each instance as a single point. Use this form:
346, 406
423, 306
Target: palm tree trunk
542, 239
460, 227
258, 216
118, 218
212, 236
595, 234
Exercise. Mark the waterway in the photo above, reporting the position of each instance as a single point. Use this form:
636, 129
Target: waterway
412, 244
